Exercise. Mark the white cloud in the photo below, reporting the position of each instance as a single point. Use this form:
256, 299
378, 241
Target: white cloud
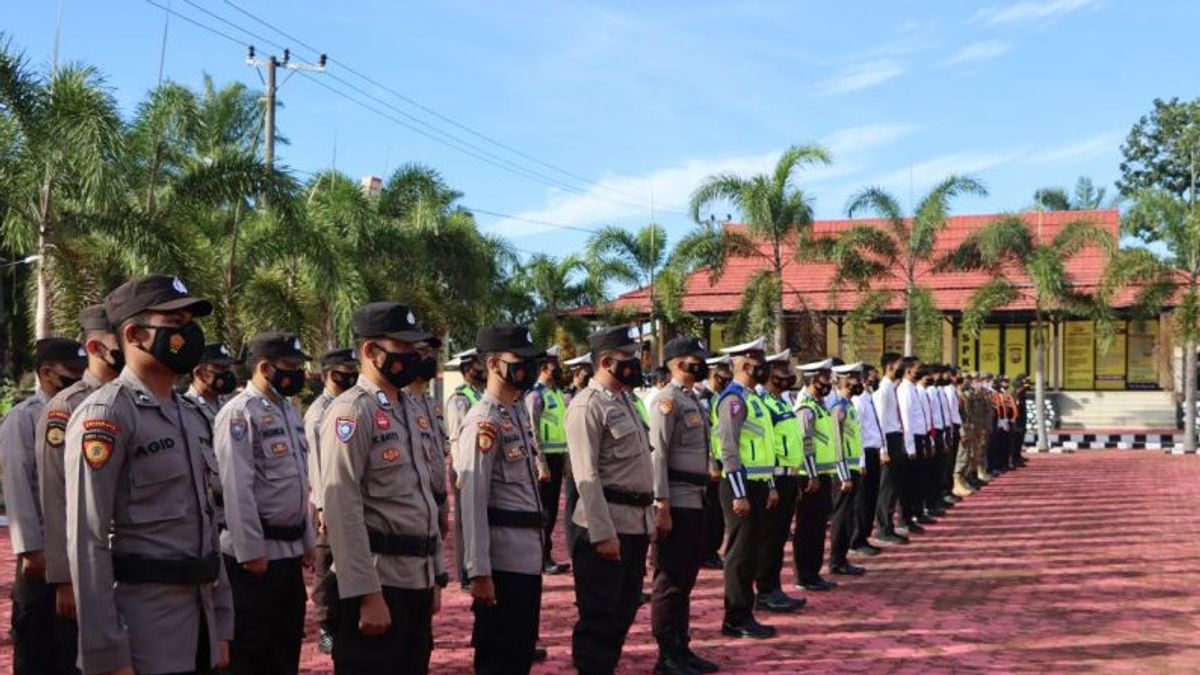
1029, 10
979, 51
862, 76
1101, 143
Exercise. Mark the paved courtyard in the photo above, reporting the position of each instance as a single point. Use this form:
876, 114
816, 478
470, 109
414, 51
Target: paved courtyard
1082, 562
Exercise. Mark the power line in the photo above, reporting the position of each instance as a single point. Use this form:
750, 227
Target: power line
557, 226
197, 24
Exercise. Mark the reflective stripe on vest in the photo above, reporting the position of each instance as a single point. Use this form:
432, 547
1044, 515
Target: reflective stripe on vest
852, 446
756, 445
822, 432
468, 391
640, 406
789, 440
552, 428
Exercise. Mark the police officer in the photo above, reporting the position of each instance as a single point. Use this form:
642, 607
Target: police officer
339, 372
41, 642
269, 536
746, 446
823, 463
465, 395
380, 511
104, 362
548, 413
866, 498
581, 372
150, 591
581, 375
679, 440
845, 416
431, 426
502, 509
789, 457
719, 377
610, 457
213, 380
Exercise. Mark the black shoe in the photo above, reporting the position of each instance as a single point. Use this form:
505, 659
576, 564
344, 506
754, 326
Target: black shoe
867, 550
846, 569
924, 520
893, 539
551, 567
818, 585
539, 654
325, 642
778, 601
713, 563
914, 528
748, 629
951, 500
674, 664
698, 664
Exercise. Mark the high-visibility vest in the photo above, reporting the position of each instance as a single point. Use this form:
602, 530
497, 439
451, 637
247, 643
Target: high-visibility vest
552, 427
756, 444
852, 445
789, 441
640, 406
823, 432
468, 391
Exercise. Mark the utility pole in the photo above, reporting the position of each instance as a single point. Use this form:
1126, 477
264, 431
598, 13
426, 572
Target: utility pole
271, 64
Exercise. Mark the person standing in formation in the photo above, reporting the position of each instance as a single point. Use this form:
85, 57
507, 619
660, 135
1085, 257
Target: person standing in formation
845, 417
213, 380
866, 501
916, 439
823, 463
897, 454
548, 412
465, 395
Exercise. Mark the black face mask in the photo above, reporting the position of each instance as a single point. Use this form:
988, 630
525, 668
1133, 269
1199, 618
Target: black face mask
758, 372
179, 349
224, 383
115, 360
65, 381
698, 370
399, 368
628, 372
783, 383
721, 384
288, 382
584, 380
521, 374
823, 389
856, 389
427, 370
343, 381
476, 377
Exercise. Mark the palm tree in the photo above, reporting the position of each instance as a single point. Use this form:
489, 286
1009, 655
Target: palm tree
1010, 252
774, 210
1085, 197
634, 258
557, 286
897, 248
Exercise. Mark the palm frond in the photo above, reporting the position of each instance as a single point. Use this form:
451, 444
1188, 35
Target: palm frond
985, 300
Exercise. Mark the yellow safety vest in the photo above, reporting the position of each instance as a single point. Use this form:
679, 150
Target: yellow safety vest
789, 442
852, 446
822, 437
756, 444
468, 391
552, 428
640, 406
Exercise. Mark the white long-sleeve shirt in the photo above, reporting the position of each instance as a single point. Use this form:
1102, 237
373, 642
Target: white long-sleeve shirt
872, 435
912, 415
951, 393
934, 398
887, 407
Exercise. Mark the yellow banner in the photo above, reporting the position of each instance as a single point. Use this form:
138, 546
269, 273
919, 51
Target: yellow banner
989, 349
893, 339
1079, 355
1143, 354
1016, 357
1110, 366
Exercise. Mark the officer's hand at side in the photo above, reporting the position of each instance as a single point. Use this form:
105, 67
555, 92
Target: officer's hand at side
373, 615
321, 522
35, 565
543, 474
437, 599
884, 458
814, 484
483, 590
309, 558
222, 654
741, 507
127, 670
772, 498
64, 601
662, 518
847, 485
714, 473
257, 567
609, 549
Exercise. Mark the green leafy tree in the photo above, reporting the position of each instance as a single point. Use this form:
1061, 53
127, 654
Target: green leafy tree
557, 286
776, 212
634, 258
1086, 196
1009, 251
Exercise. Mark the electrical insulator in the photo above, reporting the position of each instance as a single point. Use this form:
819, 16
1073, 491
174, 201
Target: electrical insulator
287, 54
250, 52
321, 61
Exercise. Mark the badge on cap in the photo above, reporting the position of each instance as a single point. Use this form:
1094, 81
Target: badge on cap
177, 284
81, 353
344, 427
296, 344
411, 319
223, 350
529, 337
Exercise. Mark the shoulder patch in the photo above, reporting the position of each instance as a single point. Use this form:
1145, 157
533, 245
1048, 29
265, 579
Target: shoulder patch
666, 405
345, 427
237, 428
56, 430
97, 449
735, 405
485, 435
102, 425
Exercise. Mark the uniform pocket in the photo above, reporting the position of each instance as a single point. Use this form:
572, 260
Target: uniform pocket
157, 492
281, 468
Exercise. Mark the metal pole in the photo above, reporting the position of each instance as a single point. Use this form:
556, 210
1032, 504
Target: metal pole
269, 125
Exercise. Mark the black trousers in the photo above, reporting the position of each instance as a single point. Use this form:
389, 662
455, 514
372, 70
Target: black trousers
997, 448
742, 537
714, 520
677, 559
933, 470
841, 521
43, 642
777, 528
551, 490
458, 533
866, 498
322, 576
569, 526
268, 623
607, 594
403, 648
812, 521
1018, 442
916, 477
892, 483
505, 633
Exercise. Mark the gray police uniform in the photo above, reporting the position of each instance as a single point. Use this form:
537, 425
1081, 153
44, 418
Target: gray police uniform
456, 411
381, 519
17, 438
141, 532
502, 530
431, 429
210, 407
322, 576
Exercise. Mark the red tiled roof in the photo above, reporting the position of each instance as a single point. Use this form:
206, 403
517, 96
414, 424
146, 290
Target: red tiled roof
808, 283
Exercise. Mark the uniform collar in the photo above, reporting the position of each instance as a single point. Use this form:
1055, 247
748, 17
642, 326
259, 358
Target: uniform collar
140, 390
91, 380
253, 390
368, 385
599, 387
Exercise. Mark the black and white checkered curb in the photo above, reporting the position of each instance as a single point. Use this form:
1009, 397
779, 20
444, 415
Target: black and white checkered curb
1077, 440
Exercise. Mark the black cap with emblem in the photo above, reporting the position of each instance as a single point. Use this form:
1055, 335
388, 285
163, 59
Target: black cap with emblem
217, 354
608, 339
276, 345
387, 320
152, 293
684, 345
93, 319
62, 350
337, 357
511, 338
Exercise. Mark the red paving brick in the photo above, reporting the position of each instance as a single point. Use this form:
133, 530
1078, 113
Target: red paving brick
1080, 562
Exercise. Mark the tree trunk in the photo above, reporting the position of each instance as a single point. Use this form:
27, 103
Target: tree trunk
780, 328
1189, 396
42, 324
908, 322
1039, 386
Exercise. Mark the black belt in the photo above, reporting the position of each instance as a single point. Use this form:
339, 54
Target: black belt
136, 569
615, 496
284, 532
410, 545
688, 477
439, 498
511, 518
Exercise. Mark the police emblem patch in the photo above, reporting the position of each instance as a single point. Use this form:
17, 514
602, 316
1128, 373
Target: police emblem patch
485, 436
383, 399
55, 434
237, 428
391, 454
735, 406
344, 427
423, 422
97, 449
382, 420
279, 449
666, 405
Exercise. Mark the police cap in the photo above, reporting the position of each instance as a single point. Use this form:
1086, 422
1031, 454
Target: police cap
152, 293
508, 338
684, 345
387, 320
276, 345
93, 318
62, 350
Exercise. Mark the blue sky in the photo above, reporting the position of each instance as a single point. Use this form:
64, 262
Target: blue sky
642, 100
